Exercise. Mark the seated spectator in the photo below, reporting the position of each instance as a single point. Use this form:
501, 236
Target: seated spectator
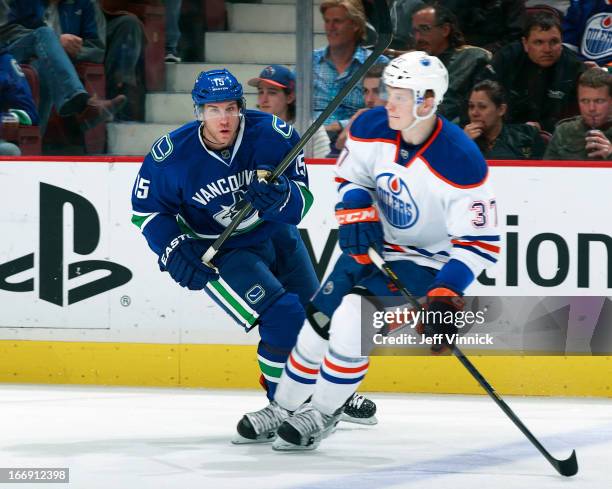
496, 140
79, 27
436, 32
371, 87
76, 24
489, 24
333, 65
371, 96
276, 95
16, 102
24, 35
539, 74
587, 30
587, 136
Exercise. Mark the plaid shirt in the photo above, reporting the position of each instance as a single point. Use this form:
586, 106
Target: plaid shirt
328, 83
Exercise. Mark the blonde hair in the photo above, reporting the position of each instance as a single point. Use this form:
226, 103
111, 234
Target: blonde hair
354, 9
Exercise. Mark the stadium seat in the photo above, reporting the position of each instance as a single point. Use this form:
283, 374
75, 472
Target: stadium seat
539, 8
546, 136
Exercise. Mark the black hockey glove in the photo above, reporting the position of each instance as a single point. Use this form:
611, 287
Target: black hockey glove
439, 324
268, 197
182, 259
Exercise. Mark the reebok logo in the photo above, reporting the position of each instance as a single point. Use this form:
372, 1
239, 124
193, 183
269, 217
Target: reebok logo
51, 259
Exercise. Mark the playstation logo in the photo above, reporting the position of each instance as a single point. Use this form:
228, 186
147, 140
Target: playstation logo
51, 259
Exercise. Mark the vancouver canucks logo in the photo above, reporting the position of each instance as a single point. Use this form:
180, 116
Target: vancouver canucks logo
597, 38
395, 201
227, 213
282, 127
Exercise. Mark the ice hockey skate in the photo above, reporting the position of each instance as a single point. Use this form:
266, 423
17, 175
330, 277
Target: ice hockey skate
260, 426
305, 429
360, 410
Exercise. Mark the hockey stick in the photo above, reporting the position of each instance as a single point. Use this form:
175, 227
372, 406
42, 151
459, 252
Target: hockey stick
385, 34
567, 467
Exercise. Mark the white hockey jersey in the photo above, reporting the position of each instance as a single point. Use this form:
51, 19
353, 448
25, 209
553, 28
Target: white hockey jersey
433, 199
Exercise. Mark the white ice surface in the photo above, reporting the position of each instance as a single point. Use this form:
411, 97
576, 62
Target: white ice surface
132, 438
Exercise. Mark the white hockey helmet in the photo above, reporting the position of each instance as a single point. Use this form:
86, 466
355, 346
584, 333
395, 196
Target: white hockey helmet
420, 72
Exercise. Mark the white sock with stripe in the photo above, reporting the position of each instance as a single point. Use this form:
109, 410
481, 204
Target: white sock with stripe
301, 370
344, 366
339, 377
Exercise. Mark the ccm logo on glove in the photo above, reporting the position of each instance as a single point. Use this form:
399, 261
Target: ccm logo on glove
349, 216
359, 230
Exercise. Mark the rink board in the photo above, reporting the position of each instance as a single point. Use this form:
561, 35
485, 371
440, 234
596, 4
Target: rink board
235, 366
66, 230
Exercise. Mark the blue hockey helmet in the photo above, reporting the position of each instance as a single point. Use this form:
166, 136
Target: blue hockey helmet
216, 86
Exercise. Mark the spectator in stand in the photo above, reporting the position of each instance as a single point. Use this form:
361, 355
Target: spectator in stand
587, 136
401, 11
123, 66
371, 97
333, 65
24, 35
498, 141
276, 95
489, 24
539, 74
371, 87
437, 32
173, 32
587, 30
76, 24
16, 102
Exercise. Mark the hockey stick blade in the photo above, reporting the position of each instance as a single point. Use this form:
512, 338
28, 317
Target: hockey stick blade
567, 467
385, 34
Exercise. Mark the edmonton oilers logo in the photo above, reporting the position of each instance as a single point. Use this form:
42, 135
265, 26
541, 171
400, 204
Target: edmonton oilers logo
597, 39
395, 201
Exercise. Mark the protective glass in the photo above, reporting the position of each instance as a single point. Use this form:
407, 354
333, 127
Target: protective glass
208, 112
402, 98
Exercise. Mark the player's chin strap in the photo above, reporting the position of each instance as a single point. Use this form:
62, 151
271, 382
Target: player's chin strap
419, 118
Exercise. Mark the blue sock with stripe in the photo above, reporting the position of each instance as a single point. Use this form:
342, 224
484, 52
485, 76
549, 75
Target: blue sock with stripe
271, 363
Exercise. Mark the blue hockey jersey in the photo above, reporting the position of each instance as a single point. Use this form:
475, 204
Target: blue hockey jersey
183, 186
15, 92
587, 30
